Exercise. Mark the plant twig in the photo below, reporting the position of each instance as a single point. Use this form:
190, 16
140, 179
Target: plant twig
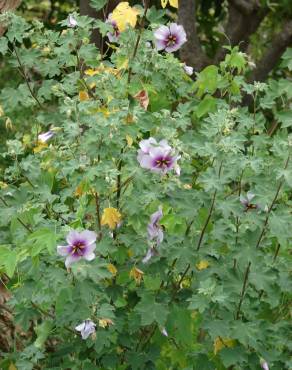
244, 286
28, 228
22, 69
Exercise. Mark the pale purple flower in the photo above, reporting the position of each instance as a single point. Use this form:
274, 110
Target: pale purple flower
155, 231
157, 157
43, 138
188, 69
113, 36
246, 201
170, 38
86, 328
264, 364
80, 245
71, 21
164, 332
151, 252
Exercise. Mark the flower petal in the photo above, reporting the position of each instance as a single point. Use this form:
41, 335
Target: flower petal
63, 250
88, 236
89, 256
72, 237
146, 161
161, 33
71, 259
145, 145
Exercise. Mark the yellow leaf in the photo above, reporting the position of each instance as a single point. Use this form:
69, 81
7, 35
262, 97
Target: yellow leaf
220, 343
174, 3
3, 185
1, 111
103, 323
164, 3
136, 274
12, 367
124, 15
129, 140
130, 253
91, 72
40, 147
112, 269
111, 217
83, 96
202, 265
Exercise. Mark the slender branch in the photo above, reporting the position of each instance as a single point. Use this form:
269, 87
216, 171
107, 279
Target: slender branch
141, 28
50, 315
272, 205
244, 286
97, 207
209, 214
28, 228
276, 252
21, 66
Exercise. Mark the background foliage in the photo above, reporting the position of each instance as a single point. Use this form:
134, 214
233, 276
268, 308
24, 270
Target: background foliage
219, 286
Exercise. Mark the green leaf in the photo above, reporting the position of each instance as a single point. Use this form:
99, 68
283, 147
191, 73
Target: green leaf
97, 4
207, 105
8, 259
3, 45
207, 80
42, 331
42, 239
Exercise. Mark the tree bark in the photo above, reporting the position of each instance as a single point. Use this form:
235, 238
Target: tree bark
244, 18
273, 53
6, 5
191, 52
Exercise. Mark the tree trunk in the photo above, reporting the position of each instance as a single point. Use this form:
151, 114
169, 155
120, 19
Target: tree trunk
86, 9
191, 52
6, 5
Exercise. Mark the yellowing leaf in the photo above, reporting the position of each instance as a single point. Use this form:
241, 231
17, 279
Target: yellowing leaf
40, 147
124, 15
174, 3
129, 140
1, 111
136, 274
12, 367
202, 265
130, 253
111, 217
112, 269
103, 323
91, 72
220, 343
143, 99
83, 95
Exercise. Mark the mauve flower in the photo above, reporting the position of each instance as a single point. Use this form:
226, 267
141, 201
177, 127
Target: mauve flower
188, 69
43, 138
157, 157
164, 332
246, 201
113, 36
86, 328
151, 252
71, 21
170, 38
80, 245
264, 364
155, 231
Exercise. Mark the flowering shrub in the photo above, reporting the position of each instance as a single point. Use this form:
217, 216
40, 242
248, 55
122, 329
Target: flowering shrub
174, 200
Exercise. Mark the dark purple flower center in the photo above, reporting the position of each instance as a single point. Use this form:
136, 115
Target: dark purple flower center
78, 248
171, 40
163, 162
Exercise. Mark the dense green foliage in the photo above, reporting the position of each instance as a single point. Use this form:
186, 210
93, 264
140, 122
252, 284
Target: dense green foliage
219, 284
